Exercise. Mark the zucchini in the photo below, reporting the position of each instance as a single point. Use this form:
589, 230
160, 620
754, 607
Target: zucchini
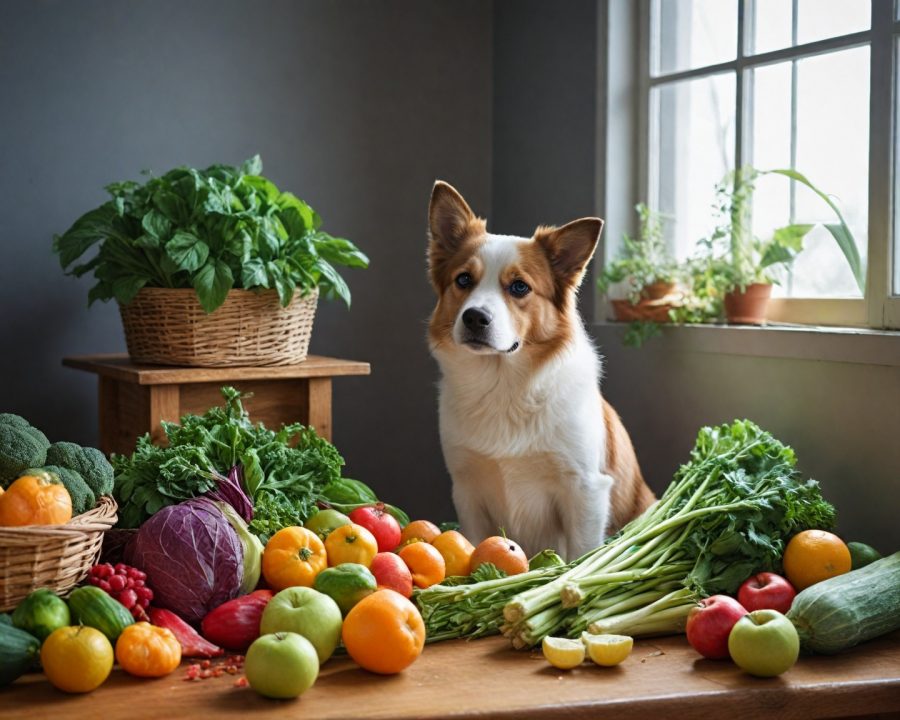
843, 611
18, 650
95, 608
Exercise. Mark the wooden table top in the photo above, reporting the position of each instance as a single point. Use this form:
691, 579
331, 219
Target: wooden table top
662, 679
119, 367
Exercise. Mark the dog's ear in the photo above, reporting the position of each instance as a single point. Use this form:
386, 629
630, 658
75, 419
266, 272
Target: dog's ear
450, 222
570, 248
448, 216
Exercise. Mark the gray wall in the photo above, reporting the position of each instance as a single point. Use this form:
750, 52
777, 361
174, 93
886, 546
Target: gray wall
355, 106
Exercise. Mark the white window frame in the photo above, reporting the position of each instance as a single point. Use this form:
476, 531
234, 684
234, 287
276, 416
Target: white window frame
880, 308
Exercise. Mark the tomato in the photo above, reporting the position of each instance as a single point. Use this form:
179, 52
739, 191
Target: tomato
380, 523
76, 659
293, 556
351, 544
148, 651
456, 551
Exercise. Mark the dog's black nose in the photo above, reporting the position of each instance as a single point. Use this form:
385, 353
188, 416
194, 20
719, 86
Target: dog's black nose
477, 318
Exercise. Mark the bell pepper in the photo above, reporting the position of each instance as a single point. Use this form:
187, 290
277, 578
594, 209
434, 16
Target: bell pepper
235, 624
192, 644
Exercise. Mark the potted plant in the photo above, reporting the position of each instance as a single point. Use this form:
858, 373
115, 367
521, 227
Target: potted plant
210, 267
742, 267
647, 270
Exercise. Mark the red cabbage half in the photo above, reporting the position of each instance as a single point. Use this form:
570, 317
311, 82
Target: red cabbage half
192, 556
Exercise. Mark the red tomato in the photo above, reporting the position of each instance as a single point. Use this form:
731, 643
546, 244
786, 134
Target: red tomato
380, 523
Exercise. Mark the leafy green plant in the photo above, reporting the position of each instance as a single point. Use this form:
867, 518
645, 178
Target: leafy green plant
645, 260
733, 257
211, 230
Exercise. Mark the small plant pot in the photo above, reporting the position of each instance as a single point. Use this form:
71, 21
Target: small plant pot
658, 290
644, 310
748, 307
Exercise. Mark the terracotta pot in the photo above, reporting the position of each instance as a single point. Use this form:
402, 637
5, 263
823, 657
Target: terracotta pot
648, 310
658, 290
748, 307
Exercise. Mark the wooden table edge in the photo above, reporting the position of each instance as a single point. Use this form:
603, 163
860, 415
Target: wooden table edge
117, 366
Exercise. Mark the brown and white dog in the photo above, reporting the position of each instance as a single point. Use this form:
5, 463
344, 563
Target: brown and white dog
530, 444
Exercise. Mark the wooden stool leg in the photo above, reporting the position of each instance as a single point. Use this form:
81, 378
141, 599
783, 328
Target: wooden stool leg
317, 406
165, 404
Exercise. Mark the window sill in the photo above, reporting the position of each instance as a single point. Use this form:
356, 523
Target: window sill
806, 342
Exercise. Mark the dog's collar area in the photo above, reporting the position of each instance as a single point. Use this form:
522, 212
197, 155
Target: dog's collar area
513, 347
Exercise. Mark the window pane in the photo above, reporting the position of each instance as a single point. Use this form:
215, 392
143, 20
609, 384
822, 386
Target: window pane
772, 20
832, 140
818, 19
694, 33
693, 149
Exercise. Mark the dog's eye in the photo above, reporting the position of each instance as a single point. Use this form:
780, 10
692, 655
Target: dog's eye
519, 288
464, 280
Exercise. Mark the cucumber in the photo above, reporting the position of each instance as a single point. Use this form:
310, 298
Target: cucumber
846, 610
95, 608
18, 650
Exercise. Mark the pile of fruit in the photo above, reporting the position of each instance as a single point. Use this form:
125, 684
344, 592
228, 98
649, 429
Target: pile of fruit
340, 580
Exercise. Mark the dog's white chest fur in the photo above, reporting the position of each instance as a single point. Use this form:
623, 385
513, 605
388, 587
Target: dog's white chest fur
526, 450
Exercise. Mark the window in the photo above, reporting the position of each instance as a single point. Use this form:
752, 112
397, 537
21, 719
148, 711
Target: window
801, 84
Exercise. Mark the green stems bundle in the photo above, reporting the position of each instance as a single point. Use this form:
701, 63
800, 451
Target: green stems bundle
727, 514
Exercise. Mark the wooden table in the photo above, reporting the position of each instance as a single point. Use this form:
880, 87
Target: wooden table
662, 679
135, 398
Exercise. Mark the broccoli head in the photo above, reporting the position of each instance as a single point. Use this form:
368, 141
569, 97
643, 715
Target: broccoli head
21, 446
89, 462
83, 498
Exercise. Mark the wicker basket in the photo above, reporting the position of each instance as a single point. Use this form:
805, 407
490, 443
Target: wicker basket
169, 327
51, 556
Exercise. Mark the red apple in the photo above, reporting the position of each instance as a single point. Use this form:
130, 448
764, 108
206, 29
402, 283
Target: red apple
766, 591
380, 523
391, 572
709, 624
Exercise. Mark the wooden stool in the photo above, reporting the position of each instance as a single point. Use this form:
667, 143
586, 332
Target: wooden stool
134, 399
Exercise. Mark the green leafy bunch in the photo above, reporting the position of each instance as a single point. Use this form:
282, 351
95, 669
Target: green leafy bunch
211, 230
288, 473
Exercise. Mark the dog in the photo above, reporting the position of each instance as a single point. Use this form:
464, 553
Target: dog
531, 446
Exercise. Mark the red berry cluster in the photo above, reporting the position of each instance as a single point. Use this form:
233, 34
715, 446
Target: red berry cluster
126, 584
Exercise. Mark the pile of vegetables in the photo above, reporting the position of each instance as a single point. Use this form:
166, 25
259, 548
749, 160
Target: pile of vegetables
25, 452
286, 474
212, 230
728, 513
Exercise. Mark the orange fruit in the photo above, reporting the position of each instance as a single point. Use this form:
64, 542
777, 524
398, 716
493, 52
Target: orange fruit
456, 551
76, 659
384, 632
419, 531
815, 555
503, 553
425, 563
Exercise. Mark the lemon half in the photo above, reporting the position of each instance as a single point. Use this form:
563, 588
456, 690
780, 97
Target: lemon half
607, 650
563, 653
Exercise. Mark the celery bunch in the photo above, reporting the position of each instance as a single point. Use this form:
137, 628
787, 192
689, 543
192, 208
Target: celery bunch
727, 514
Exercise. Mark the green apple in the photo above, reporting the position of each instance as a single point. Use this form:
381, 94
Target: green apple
324, 521
281, 665
764, 643
306, 612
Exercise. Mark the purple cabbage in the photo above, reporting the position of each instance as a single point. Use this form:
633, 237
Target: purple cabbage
192, 556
